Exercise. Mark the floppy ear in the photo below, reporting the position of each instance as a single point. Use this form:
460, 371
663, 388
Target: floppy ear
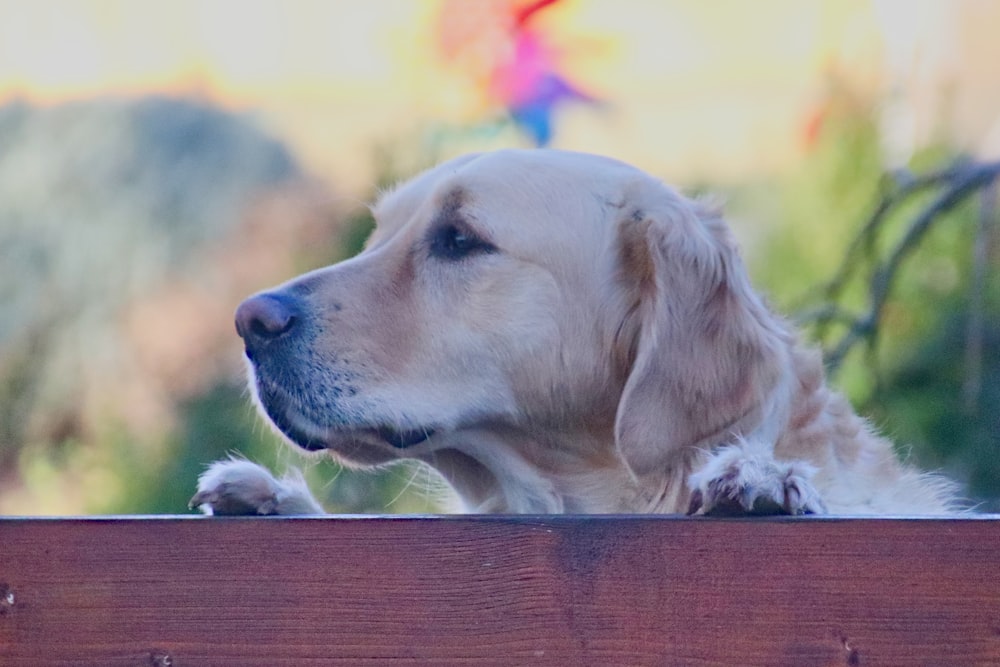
705, 352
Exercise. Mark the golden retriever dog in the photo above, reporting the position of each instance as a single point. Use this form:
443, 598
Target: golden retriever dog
557, 332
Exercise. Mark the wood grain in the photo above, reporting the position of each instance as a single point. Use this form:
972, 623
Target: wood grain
499, 591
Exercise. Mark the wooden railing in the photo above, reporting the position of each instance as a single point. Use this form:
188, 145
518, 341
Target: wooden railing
487, 590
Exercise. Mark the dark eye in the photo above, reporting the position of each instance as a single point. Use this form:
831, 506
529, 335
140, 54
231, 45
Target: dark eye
454, 242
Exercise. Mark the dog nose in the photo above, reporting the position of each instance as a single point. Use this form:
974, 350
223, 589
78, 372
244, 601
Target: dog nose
264, 317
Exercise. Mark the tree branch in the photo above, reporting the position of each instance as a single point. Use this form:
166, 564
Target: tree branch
959, 181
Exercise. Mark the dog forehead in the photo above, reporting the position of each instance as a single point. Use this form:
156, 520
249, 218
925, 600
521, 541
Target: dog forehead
397, 205
543, 173
514, 195
525, 170
529, 195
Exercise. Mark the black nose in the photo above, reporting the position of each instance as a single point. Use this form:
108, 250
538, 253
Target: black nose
263, 318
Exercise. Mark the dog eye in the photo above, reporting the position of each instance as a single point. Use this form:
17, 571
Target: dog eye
453, 242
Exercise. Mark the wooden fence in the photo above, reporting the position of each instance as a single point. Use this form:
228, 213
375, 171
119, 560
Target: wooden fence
487, 590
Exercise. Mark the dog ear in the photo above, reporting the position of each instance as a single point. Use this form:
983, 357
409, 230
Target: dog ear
704, 351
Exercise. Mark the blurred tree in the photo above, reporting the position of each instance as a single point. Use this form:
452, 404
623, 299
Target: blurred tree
125, 226
100, 203
905, 298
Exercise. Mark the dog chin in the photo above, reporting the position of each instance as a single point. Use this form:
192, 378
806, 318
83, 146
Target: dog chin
359, 444
364, 446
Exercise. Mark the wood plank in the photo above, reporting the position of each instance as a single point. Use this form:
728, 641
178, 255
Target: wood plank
499, 591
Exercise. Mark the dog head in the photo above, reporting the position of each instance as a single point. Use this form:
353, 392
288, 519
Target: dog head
568, 305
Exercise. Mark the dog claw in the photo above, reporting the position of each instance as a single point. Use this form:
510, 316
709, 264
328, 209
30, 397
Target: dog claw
736, 484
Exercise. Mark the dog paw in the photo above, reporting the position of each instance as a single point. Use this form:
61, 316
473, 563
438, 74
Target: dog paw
237, 487
735, 483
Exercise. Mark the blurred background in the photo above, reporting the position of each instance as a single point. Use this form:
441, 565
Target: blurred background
159, 161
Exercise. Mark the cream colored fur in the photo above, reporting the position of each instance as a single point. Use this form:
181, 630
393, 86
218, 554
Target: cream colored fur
600, 350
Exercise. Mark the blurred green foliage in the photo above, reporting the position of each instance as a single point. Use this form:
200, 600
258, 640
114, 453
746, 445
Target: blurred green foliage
916, 378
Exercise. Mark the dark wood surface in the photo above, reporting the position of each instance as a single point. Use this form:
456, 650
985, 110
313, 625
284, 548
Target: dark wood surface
499, 591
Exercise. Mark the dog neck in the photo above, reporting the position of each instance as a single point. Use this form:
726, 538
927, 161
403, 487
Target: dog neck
514, 472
